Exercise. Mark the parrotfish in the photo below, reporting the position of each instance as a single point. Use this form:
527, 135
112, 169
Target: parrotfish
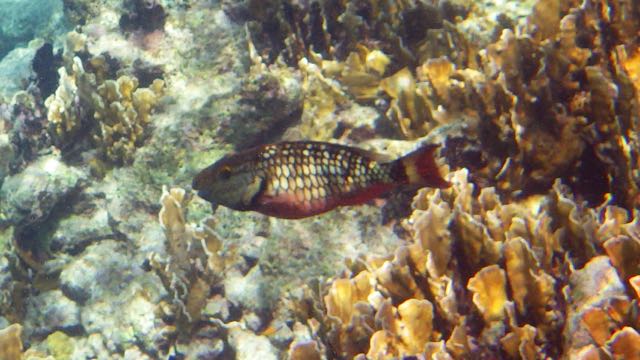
294, 180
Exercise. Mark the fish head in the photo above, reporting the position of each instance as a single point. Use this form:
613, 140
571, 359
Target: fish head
230, 182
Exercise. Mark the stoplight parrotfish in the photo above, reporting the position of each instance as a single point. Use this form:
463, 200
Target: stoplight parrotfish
294, 180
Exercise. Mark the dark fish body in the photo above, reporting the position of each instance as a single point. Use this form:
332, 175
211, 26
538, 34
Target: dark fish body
299, 179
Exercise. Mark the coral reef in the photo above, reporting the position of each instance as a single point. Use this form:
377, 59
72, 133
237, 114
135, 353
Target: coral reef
119, 107
532, 253
501, 287
551, 98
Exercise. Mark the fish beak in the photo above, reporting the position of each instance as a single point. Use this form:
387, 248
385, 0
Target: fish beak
206, 195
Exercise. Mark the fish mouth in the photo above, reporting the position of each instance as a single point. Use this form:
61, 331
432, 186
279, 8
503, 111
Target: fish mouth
205, 195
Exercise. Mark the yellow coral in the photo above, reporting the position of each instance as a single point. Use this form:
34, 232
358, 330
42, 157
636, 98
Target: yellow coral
60, 345
124, 111
625, 344
532, 288
344, 293
409, 107
489, 292
10, 343
416, 324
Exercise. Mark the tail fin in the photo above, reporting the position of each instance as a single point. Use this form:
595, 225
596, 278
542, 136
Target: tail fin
419, 168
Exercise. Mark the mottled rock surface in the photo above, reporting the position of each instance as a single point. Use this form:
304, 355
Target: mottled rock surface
52, 311
30, 196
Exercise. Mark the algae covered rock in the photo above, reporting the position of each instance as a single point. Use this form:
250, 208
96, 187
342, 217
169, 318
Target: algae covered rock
112, 293
76, 232
52, 311
15, 70
250, 346
7, 154
269, 103
93, 273
29, 196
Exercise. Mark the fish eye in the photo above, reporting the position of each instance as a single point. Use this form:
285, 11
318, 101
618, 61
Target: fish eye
225, 172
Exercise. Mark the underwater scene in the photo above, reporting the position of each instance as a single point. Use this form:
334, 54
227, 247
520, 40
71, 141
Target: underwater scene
319, 179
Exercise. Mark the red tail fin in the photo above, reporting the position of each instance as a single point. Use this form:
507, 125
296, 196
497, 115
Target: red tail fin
419, 168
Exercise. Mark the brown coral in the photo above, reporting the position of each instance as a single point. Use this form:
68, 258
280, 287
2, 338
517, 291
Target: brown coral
10, 342
490, 292
191, 267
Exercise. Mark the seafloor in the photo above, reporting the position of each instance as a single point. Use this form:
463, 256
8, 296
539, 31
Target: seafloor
109, 108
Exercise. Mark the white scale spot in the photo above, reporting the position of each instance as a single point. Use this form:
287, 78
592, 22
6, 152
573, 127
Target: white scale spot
299, 183
284, 184
285, 171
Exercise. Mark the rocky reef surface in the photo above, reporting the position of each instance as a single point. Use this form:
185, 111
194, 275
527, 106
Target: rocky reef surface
109, 108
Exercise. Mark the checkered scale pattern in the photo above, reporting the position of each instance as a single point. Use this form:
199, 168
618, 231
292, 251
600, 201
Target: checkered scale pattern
316, 171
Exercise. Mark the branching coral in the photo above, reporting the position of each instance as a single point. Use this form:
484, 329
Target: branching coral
123, 112
192, 265
121, 109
